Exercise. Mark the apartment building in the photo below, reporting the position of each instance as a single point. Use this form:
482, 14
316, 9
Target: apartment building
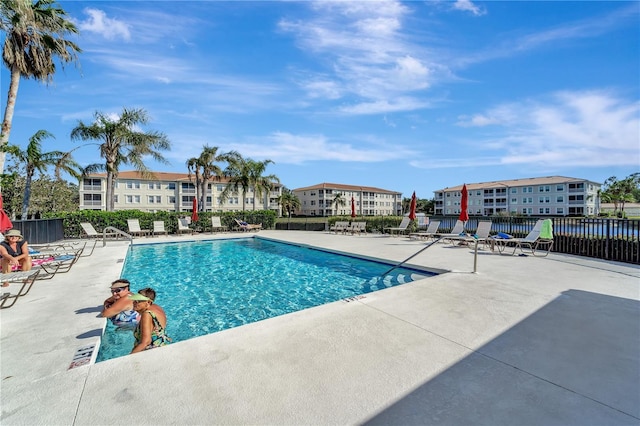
169, 192
540, 196
317, 200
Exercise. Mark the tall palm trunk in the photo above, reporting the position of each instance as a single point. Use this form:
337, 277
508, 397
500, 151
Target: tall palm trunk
27, 194
8, 112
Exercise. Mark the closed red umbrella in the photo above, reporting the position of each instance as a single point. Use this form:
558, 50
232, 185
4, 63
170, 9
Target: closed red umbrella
464, 204
412, 208
5, 222
194, 213
353, 207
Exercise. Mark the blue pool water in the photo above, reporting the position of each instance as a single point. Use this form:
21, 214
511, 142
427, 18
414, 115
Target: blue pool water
209, 286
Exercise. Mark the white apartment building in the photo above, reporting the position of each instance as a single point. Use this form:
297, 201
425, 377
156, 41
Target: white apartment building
317, 200
168, 192
541, 196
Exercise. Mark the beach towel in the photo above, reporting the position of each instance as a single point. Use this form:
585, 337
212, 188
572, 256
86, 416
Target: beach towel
546, 231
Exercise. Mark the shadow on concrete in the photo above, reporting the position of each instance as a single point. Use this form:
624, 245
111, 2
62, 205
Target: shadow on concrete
93, 333
90, 309
574, 361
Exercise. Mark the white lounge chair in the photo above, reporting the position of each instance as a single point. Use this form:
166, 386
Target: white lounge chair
91, 232
158, 228
339, 226
432, 230
24, 279
540, 236
183, 226
244, 226
400, 228
134, 228
357, 228
458, 229
481, 236
216, 224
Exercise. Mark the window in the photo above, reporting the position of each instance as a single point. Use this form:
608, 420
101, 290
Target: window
132, 199
514, 201
92, 199
171, 186
559, 188
171, 199
91, 184
132, 185
155, 199
559, 210
188, 187
560, 199
155, 185
544, 188
514, 190
544, 200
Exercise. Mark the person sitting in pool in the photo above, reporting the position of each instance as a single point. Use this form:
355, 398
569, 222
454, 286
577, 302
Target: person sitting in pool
118, 308
151, 331
14, 251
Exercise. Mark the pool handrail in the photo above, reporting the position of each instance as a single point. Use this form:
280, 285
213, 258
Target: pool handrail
116, 231
412, 256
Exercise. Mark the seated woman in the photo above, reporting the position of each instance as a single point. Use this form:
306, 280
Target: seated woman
14, 251
150, 332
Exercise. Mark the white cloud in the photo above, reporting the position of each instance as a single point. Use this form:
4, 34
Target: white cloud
589, 129
288, 148
367, 55
99, 23
468, 6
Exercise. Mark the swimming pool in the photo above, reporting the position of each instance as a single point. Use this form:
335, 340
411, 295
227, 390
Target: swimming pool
209, 286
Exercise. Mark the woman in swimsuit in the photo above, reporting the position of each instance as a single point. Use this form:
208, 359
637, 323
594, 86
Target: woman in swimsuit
150, 332
14, 251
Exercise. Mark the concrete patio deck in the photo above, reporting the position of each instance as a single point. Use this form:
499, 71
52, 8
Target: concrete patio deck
524, 341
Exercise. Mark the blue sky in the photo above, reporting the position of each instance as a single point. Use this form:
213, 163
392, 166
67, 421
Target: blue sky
405, 96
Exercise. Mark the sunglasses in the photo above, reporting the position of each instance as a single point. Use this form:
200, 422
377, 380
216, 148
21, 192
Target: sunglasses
135, 302
117, 290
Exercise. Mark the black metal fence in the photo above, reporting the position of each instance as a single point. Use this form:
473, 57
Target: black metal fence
40, 231
608, 239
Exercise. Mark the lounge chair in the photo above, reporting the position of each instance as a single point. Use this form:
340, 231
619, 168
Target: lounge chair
216, 224
183, 226
26, 279
431, 231
134, 228
339, 226
158, 228
91, 232
400, 228
458, 229
63, 246
357, 228
540, 236
244, 226
481, 236
423, 221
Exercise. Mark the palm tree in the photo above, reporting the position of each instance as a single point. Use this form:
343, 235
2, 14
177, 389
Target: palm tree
338, 200
205, 169
122, 144
261, 184
289, 201
35, 160
244, 174
34, 37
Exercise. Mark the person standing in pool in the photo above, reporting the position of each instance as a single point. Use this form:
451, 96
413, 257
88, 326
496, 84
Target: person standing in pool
151, 331
118, 308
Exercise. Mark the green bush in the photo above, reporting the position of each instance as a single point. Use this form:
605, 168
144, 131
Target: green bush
118, 219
